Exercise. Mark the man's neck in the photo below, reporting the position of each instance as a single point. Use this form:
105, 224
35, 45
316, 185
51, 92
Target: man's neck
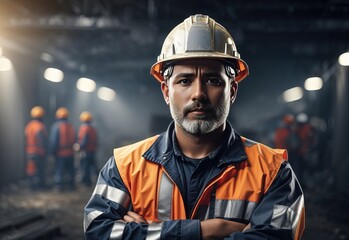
199, 146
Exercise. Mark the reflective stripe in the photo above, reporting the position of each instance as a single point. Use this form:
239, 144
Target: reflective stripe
117, 230
285, 217
234, 209
113, 194
249, 142
165, 198
154, 231
90, 217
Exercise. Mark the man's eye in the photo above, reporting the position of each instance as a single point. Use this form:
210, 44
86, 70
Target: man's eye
214, 82
184, 81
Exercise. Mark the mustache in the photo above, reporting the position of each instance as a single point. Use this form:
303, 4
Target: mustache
198, 106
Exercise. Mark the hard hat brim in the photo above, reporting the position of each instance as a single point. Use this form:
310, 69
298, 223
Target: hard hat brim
156, 69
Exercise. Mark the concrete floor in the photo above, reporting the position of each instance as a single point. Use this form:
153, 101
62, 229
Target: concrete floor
327, 214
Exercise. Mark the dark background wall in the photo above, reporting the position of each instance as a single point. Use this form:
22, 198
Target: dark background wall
116, 42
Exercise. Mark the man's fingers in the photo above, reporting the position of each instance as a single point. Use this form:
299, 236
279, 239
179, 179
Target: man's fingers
127, 218
134, 217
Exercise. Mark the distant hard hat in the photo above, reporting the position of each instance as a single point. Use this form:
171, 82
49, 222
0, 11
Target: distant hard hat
62, 112
85, 117
37, 112
199, 36
288, 118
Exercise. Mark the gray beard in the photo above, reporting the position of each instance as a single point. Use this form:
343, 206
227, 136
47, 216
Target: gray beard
201, 126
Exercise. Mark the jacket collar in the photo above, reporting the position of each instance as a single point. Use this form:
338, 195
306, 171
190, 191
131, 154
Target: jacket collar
162, 149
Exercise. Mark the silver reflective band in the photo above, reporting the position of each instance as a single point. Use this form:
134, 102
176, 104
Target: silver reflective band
154, 231
90, 217
285, 217
165, 198
117, 230
113, 194
234, 209
249, 143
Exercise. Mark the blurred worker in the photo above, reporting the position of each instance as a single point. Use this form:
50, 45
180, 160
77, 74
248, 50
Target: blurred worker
62, 139
286, 133
286, 137
200, 179
87, 145
36, 148
306, 134
307, 142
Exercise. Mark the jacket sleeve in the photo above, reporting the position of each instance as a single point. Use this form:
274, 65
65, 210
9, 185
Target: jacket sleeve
42, 138
280, 214
82, 137
111, 200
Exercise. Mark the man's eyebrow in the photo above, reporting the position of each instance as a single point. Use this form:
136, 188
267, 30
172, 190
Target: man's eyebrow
211, 74
179, 75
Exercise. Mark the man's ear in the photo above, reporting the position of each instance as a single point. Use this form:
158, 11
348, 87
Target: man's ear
233, 91
164, 89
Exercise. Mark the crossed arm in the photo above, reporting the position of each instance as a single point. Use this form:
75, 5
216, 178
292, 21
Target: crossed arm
210, 229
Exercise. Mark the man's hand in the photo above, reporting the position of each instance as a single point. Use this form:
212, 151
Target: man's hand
219, 228
135, 217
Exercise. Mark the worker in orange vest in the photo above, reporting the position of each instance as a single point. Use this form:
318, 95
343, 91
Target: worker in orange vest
200, 179
36, 147
62, 139
87, 146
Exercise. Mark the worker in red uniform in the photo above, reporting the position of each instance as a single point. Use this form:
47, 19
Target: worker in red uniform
286, 137
199, 179
36, 148
62, 139
87, 146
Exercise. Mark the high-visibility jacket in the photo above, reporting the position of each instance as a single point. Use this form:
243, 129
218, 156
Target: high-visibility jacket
258, 187
36, 137
62, 138
87, 138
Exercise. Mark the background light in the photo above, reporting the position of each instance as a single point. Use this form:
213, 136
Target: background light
313, 83
106, 94
5, 64
292, 94
344, 59
86, 85
47, 57
53, 75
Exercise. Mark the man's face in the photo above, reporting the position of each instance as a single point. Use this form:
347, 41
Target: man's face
199, 94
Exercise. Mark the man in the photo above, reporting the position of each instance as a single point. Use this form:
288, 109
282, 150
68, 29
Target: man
199, 179
87, 145
62, 139
36, 138
286, 137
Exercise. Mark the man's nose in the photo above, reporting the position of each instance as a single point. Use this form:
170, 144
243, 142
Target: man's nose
199, 90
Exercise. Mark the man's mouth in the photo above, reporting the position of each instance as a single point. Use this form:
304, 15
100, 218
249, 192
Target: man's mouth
199, 111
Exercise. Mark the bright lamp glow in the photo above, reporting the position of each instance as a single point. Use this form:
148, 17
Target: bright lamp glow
292, 94
53, 75
313, 83
5, 64
344, 59
106, 94
86, 85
